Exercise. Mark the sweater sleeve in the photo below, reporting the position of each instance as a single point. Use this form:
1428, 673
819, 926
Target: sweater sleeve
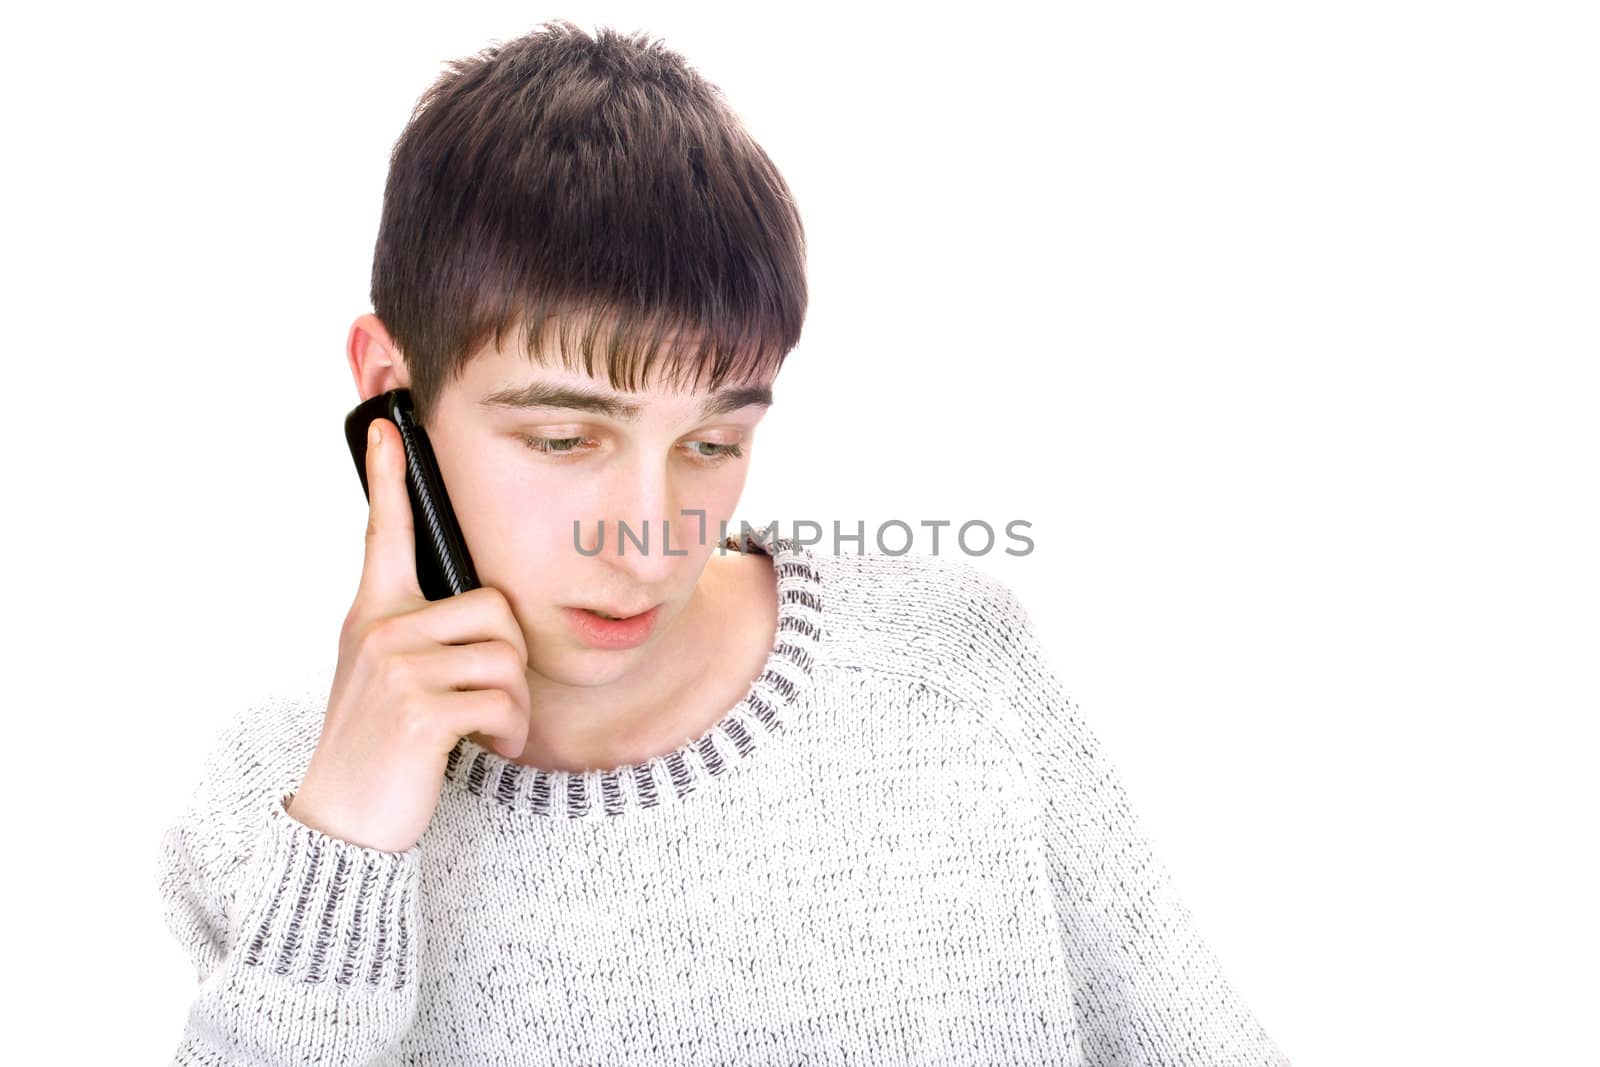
305, 945
1146, 987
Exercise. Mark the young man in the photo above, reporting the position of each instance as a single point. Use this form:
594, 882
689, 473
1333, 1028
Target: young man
797, 806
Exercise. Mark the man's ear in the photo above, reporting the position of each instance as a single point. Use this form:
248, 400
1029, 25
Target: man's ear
376, 364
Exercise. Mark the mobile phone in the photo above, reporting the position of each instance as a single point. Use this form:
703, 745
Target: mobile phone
443, 566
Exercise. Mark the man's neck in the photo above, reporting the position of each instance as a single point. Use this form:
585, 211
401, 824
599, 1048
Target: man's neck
716, 648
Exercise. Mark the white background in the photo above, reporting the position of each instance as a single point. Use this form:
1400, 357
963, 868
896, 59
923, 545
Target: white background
1278, 323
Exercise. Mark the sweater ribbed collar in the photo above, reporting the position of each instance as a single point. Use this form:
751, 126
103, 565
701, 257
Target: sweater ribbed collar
740, 735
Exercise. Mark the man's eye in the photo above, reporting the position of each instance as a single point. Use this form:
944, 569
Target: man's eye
708, 453
552, 445
718, 453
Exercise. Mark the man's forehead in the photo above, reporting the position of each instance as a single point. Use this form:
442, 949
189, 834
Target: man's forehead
542, 377
580, 392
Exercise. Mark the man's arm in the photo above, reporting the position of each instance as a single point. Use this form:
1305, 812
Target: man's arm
1146, 987
305, 945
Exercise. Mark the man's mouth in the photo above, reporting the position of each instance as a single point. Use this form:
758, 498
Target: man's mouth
599, 628
614, 616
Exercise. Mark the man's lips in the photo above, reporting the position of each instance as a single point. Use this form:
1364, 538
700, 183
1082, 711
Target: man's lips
615, 634
616, 613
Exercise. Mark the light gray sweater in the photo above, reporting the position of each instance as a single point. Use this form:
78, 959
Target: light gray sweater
903, 846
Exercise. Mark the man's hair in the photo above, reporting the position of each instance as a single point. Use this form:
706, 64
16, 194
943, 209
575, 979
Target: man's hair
597, 181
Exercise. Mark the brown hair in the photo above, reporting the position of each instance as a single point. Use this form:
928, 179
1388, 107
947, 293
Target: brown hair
590, 180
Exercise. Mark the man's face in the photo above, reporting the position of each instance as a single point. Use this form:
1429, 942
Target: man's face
517, 503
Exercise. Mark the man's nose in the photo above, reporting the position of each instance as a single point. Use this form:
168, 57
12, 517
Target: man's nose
646, 526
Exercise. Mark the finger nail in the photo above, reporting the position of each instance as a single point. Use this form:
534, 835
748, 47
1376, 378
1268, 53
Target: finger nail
372, 434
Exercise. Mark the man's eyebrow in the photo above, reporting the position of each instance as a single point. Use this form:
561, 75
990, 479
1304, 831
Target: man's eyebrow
725, 400
613, 405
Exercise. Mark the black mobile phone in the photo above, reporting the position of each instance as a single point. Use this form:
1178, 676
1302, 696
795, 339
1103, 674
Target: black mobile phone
443, 566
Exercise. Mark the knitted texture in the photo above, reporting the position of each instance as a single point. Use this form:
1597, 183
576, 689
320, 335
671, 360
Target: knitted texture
902, 846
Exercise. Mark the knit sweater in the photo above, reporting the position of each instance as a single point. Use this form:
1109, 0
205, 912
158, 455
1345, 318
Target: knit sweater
902, 846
